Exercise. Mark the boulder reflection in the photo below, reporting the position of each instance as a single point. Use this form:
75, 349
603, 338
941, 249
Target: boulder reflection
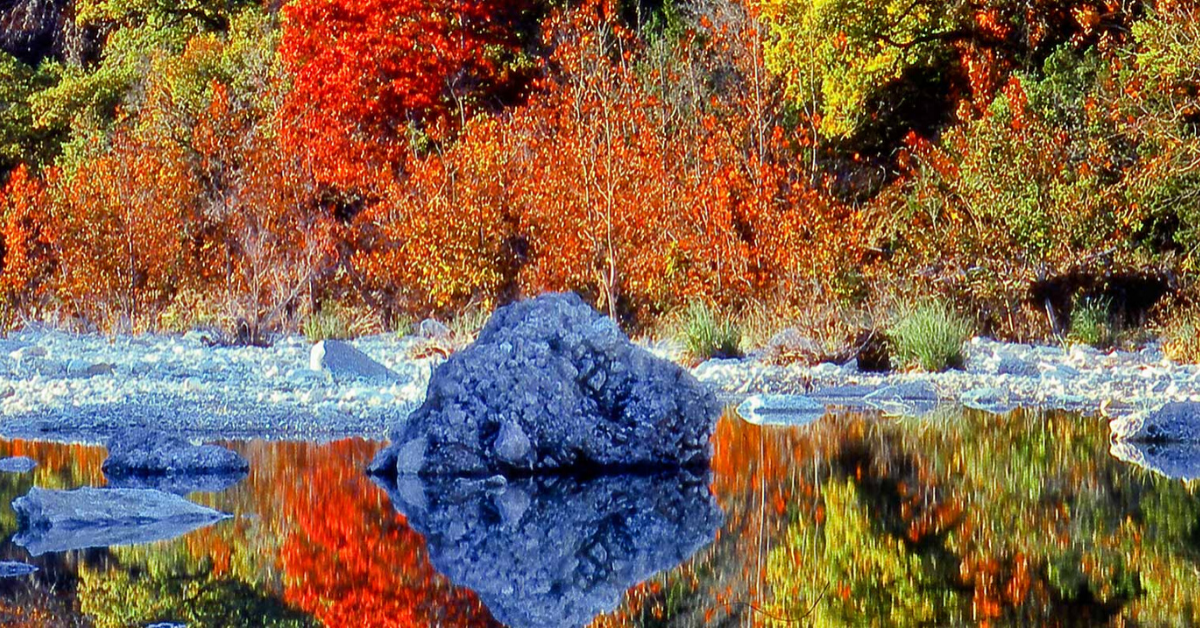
554, 551
1173, 460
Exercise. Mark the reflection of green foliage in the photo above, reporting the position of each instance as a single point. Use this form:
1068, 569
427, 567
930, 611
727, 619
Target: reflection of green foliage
118, 598
862, 573
1095, 535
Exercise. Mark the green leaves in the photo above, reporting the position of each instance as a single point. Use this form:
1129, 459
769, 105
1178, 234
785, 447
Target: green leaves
835, 56
21, 141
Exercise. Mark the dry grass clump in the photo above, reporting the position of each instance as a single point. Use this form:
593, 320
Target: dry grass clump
1179, 333
464, 326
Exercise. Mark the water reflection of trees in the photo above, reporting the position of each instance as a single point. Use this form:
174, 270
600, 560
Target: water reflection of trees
314, 543
350, 560
951, 519
961, 519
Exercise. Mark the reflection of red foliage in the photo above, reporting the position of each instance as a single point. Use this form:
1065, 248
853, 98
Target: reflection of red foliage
78, 465
352, 561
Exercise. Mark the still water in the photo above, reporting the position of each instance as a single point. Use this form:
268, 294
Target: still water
953, 519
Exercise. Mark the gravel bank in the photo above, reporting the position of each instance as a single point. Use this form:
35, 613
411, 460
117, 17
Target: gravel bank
997, 377
81, 387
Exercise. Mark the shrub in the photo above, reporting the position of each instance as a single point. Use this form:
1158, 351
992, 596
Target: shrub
1180, 335
705, 335
328, 323
929, 336
1091, 324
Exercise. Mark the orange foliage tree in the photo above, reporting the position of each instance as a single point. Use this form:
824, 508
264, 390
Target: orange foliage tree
123, 212
28, 234
615, 182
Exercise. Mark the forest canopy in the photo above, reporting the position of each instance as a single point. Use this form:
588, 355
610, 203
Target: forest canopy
245, 163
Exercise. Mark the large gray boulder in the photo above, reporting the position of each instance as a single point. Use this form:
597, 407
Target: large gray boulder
1176, 421
145, 459
553, 551
551, 385
59, 521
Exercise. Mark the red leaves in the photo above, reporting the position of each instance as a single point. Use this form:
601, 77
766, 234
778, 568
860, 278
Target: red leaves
369, 73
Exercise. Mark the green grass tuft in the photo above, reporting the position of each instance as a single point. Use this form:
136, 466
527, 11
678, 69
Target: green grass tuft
929, 336
707, 336
1091, 324
329, 323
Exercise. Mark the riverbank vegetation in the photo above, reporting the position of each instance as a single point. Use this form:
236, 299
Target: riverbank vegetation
253, 165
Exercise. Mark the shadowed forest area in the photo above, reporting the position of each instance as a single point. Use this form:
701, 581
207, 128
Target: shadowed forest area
249, 165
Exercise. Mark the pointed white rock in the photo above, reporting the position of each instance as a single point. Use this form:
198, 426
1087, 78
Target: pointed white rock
793, 410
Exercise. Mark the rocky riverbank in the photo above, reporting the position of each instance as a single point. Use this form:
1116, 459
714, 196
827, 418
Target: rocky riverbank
997, 377
56, 383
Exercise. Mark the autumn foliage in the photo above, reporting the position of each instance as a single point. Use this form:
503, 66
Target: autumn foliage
243, 163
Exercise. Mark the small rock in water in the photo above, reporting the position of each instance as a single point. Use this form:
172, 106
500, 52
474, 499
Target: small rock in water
59, 521
17, 464
343, 360
905, 399
13, 569
141, 452
793, 410
849, 394
1177, 421
994, 400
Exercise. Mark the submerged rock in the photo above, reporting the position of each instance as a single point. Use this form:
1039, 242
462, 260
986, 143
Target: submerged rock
344, 361
12, 569
1173, 460
550, 385
555, 551
17, 464
59, 521
994, 400
141, 453
790, 410
1177, 421
905, 399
